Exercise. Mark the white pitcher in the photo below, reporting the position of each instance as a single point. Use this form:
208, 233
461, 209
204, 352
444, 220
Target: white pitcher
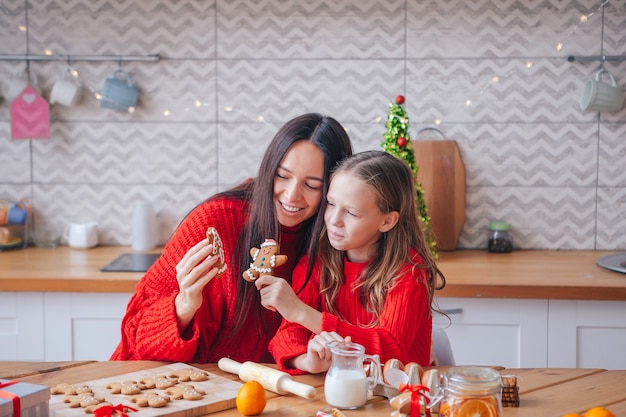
81, 235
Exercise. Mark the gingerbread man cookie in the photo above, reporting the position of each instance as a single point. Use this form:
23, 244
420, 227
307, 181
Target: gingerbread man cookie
218, 249
150, 399
70, 389
187, 392
83, 400
189, 374
126, 387
158, 382
264, 260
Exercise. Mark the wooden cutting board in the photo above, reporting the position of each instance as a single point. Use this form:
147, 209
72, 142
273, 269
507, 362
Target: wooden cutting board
442, 174
220, 395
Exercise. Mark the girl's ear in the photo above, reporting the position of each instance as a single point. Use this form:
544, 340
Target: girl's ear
391, 219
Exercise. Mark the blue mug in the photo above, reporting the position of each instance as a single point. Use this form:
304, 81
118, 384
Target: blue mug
16, 215
118, 93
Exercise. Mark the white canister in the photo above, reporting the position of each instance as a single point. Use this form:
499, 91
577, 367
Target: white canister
143, 227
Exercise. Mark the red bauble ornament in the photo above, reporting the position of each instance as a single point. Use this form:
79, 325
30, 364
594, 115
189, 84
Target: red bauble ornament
399, 99
401, 142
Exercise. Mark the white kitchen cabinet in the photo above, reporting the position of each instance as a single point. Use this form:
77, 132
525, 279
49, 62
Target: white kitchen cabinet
21, 326
507, 332
587, 334
536, 333
53, 326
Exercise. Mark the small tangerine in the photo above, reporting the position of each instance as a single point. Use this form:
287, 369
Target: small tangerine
251, 399
599, 412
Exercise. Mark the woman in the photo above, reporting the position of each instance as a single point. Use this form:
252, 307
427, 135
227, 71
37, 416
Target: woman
376, 277
182, 311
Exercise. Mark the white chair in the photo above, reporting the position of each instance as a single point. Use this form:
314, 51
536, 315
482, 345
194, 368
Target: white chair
442, 347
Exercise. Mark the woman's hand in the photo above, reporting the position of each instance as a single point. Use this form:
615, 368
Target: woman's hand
318, 356
193, 272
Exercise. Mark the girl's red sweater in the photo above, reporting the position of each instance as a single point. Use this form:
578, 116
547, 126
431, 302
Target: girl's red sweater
149, 327
404, 328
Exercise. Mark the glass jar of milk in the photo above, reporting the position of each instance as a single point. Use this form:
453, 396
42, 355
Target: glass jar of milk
346, 385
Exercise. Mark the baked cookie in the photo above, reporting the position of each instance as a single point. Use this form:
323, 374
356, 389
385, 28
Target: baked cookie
83, 400
150, 399
264, 260
70, 389
125, 387
218, 249
189, 374
186, 392
158, 382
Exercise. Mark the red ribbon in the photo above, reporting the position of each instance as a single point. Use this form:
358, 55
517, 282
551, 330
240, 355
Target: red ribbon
110, 410
17, 406
417, 392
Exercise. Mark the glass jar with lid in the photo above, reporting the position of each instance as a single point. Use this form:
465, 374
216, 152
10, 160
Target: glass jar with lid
500, 239
471, 391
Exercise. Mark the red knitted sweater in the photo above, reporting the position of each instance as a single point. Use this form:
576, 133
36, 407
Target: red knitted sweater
403, 332
149, 327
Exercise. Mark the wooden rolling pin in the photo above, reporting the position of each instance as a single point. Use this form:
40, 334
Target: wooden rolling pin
271, 379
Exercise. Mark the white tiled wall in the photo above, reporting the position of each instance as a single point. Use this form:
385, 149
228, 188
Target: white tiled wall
231, 72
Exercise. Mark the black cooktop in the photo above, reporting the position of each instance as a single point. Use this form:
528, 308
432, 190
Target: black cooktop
131, 262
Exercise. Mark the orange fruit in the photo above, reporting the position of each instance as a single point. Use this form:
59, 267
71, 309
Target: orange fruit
599, 412
572, 415
474, 407
251, 399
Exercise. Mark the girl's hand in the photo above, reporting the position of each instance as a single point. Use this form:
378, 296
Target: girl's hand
318, 356
277, 295
193, 272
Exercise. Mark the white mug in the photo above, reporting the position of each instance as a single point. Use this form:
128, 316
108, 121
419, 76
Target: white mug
65, 91
18, 83
81, 235
601, 96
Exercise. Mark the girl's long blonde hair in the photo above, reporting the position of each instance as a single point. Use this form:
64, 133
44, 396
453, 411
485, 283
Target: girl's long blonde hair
392, 181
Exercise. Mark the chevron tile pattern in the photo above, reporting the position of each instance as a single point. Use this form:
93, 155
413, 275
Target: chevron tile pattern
104, 154
15, 160
487, 73
611, 219
180, 29
317, 29
279, 90
111, 206
542, 217
612, 169
500, 29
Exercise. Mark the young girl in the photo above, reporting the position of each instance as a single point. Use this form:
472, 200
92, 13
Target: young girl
375, 279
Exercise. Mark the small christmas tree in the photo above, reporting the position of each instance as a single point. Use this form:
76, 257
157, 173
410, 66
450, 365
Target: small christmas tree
395, 143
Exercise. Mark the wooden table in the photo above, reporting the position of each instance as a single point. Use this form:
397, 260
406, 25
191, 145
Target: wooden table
543, 392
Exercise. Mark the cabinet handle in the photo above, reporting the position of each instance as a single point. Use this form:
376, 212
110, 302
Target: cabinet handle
451, 311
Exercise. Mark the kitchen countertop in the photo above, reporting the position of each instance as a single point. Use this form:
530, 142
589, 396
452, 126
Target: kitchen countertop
541, 274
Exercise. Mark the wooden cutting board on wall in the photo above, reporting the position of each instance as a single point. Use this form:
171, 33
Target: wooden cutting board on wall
442, 174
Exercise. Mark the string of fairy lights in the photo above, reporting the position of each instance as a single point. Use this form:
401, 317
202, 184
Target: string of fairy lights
198, 103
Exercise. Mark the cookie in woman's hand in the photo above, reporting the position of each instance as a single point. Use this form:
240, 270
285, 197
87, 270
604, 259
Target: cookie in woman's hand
218, 249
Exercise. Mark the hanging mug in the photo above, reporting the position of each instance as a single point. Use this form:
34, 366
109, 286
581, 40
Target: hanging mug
18, 83
601, 96
118, 92
65, 91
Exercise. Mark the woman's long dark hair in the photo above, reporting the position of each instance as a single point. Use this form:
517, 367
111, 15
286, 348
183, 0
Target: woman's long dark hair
331, 138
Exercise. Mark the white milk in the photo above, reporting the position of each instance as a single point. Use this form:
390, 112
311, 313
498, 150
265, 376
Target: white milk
346, 388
